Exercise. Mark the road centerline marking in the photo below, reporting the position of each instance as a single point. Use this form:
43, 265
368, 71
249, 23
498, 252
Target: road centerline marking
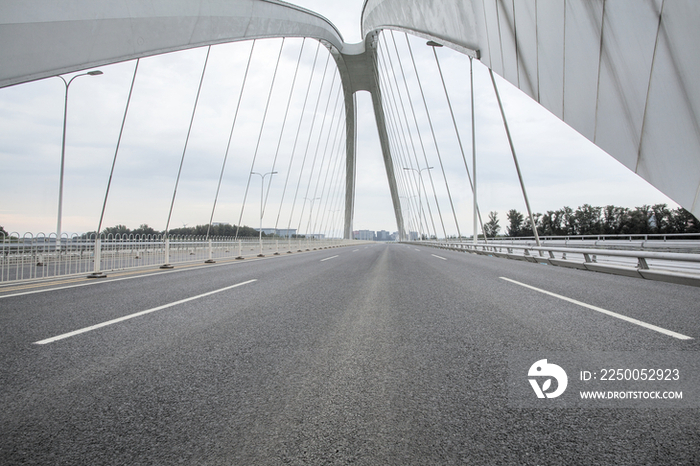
137, 314
439, 257
605, 311
328, 258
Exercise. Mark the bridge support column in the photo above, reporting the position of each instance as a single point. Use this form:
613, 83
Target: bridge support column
388, 161
357, 65
350, 160
380, 118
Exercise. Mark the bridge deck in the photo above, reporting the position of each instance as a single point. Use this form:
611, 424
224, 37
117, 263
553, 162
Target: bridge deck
384, 354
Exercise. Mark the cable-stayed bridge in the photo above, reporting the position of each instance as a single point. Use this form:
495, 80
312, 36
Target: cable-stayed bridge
306, 352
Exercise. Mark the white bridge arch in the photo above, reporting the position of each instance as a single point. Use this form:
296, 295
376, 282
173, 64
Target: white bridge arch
621, 73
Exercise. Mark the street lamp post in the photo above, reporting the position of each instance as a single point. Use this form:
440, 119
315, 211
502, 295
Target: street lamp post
63, 152
262, 185
420, 182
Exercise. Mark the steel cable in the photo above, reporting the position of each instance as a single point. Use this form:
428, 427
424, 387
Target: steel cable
296, 139
420, 211
230, 137
459, 139
325, 151
257, 145
437, 149
187, 139
116, 151
418, 132
308, 144
313, 163
284, 120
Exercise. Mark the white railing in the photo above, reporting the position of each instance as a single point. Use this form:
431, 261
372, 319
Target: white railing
678, 242
39, 256
676, 267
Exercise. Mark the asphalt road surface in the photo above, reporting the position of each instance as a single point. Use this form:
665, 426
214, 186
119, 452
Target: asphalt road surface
379, 354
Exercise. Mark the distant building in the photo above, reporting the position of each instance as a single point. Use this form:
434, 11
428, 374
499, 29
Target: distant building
363, 235
284, 233
383, 235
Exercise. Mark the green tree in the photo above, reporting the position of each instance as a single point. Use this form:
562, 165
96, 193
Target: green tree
661, 218
614, 219
116, 230
608, 220
216, 230
245, 231
587, 220
549, 223
683, 221
556, 222
144, 230
221, 229
526, 229
638, 221
568, 221
491, 228
515, 223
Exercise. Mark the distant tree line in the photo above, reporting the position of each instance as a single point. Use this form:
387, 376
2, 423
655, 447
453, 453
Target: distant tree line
220, 229
589, 220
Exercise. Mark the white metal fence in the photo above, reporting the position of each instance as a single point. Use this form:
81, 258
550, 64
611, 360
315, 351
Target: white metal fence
672, 242
39, 256
650, 261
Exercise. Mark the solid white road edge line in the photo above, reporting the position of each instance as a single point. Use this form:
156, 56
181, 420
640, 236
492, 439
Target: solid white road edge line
132, 277
328, 258
605, 311
438, 257
137, 314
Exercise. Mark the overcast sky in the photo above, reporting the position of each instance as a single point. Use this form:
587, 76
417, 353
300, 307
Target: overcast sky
559, 166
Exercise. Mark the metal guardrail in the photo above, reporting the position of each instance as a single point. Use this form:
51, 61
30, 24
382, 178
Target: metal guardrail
34, 257
672, 242
605, 237
675, 267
